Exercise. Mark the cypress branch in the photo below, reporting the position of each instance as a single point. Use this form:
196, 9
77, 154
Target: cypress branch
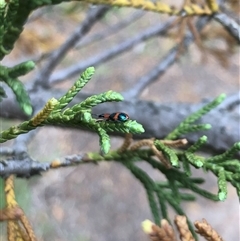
186, 125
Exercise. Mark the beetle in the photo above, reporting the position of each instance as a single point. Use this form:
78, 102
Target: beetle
116, 116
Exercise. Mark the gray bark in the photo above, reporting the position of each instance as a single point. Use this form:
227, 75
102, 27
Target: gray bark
158, 119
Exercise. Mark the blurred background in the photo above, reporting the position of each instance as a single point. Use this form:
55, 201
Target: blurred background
105, 202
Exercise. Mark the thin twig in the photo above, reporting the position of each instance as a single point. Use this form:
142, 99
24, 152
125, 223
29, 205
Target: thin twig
110, 53
24, 167
168, 60
126, 143
228, 12
99, 36
152, 75
230, 25
112, 29
92, 17
71, 160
